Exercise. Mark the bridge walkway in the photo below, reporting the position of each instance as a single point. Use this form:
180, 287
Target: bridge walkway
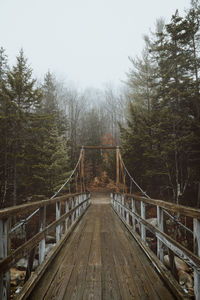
100, 260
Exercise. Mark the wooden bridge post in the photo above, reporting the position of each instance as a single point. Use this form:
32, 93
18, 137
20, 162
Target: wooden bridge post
42, 223
127, 213
72, 206
117, 201
117, 169
160, 221
4, 251
66, 211
76, 204
115, 198
85, 197
196, 228
133, 210
111, 198
123, 209
81, 199
58, 228
143, 215
119, 204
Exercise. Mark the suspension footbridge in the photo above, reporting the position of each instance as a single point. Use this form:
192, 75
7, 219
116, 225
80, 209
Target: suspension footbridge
105, 246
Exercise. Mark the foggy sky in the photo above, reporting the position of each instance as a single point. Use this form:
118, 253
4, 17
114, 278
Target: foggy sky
85, 41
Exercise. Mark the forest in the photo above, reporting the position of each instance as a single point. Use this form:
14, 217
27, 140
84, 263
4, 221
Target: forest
154, 116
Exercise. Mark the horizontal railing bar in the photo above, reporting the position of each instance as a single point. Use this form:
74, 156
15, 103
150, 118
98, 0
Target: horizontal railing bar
24, 249
180, 250
100, 147
184, 210
9, 211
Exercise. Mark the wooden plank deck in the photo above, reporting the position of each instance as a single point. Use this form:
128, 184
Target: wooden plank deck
101, 261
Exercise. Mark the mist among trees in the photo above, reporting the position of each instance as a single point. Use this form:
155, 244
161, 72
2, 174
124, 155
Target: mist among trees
155, 118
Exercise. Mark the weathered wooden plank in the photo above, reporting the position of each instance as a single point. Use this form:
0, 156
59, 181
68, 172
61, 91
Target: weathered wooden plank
127, 281
110, 286
92, 287
136, 280
62, 267
75, 287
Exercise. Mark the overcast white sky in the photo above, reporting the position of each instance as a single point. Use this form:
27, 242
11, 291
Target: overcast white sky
85, 41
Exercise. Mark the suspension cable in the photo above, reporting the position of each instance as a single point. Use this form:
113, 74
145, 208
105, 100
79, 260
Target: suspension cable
68, 180
145, 194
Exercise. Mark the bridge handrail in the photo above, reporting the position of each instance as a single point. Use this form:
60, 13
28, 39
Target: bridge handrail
176, 208
74, 206
10, 211
125, 207
24, 249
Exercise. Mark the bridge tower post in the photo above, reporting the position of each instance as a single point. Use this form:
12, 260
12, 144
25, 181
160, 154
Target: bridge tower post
83, 170
117, 169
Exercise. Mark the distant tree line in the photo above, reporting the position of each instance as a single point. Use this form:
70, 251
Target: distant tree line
42, 127
161, 142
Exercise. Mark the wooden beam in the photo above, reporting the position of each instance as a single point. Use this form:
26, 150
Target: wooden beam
11, 211
100, 147
184, 210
